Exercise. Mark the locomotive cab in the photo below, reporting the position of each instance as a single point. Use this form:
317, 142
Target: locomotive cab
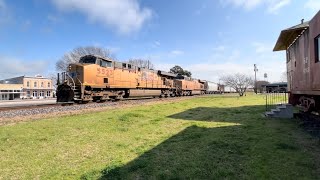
81, 78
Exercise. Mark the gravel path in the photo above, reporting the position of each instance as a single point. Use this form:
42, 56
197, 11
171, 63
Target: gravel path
18, 115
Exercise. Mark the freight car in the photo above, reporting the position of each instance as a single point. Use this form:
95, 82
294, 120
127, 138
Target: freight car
228, 89
213, 88
186, 86
96, 78
302, 46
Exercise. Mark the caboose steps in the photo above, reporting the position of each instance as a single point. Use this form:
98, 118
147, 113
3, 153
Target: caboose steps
281, 111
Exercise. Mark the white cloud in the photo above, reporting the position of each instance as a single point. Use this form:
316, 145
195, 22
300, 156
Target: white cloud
12, 67
213, 71
276, 5
2, 4
261, 47
26, 25
53, 19
176, 52
272, 5
4, 13
155, 44
247, 4
313, 5
202, 8
230, 62
219, 48
125, 16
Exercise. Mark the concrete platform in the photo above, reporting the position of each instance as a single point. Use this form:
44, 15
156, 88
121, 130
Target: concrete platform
27, 102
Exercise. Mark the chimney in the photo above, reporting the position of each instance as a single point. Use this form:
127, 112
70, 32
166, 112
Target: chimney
302, 21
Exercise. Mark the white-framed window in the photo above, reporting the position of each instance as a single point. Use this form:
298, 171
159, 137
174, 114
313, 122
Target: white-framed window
41, 93
49, 84
48, 93
42, 84
28, 93
35, 84
28, 84
35, 94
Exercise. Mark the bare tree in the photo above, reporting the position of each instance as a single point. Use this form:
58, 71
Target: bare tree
143, 63
54, 79
239, 82
283, 77
74, 56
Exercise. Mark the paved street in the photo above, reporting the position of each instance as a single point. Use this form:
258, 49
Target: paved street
15, 103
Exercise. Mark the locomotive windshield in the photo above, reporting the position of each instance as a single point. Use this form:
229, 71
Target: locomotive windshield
179, 76
88, 60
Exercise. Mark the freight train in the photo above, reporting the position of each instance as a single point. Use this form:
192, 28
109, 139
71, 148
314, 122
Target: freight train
100, 79
302, 46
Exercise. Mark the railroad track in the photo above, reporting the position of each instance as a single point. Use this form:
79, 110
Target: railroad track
37, 106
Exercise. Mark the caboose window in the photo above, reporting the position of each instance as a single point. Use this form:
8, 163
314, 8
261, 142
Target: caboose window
317, 48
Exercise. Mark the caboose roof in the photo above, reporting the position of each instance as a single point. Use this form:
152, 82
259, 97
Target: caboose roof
287, 36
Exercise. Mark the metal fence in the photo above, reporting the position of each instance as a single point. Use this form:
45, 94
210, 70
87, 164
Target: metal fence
275, 98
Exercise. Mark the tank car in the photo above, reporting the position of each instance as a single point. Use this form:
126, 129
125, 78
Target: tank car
96, 78
302, 46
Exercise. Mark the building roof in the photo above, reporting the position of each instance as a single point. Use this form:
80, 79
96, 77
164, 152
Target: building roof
287, 36
277, 84
16, 80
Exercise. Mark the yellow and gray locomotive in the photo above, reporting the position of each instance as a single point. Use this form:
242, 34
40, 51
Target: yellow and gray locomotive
97, 78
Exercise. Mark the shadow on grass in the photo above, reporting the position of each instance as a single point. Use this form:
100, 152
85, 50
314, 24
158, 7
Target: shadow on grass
198, 152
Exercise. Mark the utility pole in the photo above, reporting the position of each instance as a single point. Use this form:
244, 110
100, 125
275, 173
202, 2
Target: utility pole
255, 78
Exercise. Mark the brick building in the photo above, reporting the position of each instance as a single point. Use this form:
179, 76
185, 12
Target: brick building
37, 87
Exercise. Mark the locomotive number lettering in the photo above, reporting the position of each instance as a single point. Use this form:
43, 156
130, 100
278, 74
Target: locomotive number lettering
103, 71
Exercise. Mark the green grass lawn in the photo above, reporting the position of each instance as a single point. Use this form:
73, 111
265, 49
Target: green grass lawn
214, 137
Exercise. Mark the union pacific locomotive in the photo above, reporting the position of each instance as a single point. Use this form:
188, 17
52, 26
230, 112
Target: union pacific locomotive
100, 79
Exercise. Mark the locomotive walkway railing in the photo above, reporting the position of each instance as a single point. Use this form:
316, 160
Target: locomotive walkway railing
275, 98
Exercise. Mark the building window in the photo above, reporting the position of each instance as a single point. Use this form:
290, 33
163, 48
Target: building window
35, 84
48, 84
288, 55
41, 93
42, 84
48, 93
28, 93
317, 48
28, 84
35, 94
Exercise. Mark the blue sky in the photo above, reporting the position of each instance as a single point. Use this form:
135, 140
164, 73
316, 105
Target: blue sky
208, 37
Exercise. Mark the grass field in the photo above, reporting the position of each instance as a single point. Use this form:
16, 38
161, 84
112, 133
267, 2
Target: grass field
214, 137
